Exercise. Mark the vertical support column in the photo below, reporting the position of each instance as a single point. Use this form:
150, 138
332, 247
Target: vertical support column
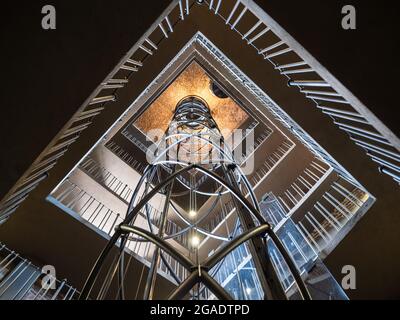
152, 275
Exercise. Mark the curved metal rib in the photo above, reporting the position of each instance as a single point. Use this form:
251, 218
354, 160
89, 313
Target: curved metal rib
230, 246
162, 244
101, 259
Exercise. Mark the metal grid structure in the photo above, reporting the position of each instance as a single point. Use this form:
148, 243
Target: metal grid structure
193, 145
285, 53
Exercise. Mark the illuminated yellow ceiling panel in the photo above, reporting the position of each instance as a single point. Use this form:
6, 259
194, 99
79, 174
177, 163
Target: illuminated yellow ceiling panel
193, 81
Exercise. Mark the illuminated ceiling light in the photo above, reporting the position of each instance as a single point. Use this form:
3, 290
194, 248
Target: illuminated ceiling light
195, 241
248, 290
192, 213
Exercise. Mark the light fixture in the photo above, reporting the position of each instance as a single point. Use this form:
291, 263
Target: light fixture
248, 291
195, 241
192, 213
217, 91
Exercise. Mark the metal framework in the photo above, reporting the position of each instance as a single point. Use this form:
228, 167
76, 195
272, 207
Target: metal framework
327, 92
192, 146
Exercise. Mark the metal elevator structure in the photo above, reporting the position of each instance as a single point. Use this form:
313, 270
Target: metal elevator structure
191, 146
174, 213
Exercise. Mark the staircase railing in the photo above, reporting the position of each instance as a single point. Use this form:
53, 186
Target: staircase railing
22, 280
304, 72
330, 214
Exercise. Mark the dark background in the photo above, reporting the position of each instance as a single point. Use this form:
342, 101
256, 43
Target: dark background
46, 75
